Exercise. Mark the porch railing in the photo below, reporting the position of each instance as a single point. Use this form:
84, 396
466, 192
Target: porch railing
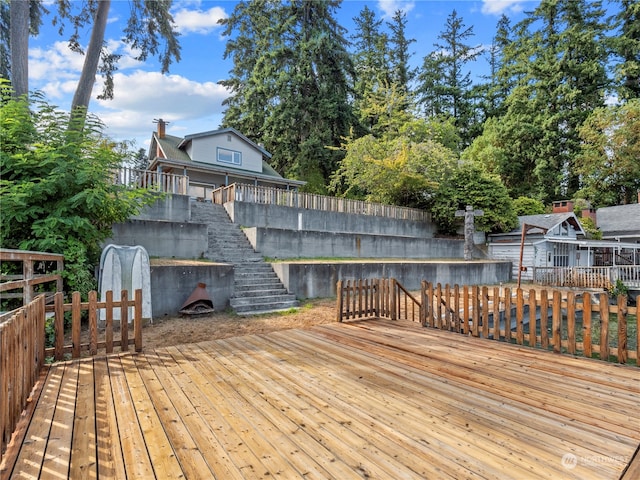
288, 198
587, 277
159, 181
35, 269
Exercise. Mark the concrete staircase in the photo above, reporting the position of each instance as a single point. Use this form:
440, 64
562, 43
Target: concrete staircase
257, 288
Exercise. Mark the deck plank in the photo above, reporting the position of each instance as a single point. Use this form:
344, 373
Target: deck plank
363, 399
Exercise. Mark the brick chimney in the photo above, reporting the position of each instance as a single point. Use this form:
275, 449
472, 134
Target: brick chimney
563, 206
161, 127
590, 213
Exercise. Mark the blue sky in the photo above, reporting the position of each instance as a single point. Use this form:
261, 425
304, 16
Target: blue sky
189, 96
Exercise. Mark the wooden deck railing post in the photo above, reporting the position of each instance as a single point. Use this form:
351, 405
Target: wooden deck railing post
76, 318
124, 321
604, 326
557, 322
392, 297
571, 323
533, 336
339, 301
93, 322
586, 325
137, 321
59, 325
622, 329
544, 320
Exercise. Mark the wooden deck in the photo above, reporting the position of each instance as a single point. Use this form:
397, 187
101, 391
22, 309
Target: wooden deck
370, 399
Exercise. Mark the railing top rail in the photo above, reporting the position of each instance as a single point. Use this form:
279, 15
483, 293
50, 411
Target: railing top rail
274, 195
26, 255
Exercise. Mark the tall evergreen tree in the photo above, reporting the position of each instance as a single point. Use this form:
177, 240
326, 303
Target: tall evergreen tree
293, 95
399, 55
558, 62
626, 46
444, 77
370, 62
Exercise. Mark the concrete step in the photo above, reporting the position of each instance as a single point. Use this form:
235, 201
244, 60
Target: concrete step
268, 304
262, 291
247, 283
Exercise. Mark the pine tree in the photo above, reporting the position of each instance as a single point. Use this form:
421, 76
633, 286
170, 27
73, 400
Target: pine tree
557, 60
370, 63
291, 92
626, 46
399, 55
444, 82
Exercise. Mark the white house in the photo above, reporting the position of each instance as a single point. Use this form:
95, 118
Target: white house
213, 159
558, 240
550, 240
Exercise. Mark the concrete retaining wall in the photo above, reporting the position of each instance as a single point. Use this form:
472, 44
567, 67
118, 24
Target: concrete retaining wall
171, 285
278, 243
171, 208
318, 280
289, 218
163, 239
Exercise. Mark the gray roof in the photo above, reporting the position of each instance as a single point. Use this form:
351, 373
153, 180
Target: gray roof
547, 221
619, 219
169, 145
221, 131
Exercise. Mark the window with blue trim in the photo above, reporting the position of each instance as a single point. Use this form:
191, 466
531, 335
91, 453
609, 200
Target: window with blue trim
225, 155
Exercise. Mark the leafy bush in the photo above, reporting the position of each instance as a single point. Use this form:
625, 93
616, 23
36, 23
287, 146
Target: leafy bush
57, 194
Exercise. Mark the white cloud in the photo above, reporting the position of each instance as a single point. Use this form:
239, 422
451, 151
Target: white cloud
390, 7
142, 96
198, 21
498, 7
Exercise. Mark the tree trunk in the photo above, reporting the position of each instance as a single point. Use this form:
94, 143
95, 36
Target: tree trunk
91, 60
19, 40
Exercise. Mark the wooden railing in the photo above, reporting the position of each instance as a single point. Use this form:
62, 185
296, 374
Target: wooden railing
21, 360
159, 181
92, 343
573, 322
587, 277
37, 268
289, 198
379, 297
23, 338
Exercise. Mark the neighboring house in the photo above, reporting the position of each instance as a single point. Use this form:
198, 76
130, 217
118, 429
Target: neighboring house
550, 241
214, 159
620, 223
558, 240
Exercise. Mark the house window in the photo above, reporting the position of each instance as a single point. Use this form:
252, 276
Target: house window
229, 156
561, 255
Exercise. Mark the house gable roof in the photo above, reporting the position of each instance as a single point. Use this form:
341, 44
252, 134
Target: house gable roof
223, 131
619, 219
173, 152
542, 224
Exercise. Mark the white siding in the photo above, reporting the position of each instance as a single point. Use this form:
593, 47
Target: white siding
205, 150
511, 252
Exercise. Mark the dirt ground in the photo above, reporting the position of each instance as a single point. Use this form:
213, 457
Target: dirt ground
178, 330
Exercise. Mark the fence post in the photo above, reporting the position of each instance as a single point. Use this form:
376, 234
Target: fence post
423, 303
557, 321
622, 329
604, 326
339, 300
124, 321
93, 322
76, 316
392, 297
137, 320
58, 301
